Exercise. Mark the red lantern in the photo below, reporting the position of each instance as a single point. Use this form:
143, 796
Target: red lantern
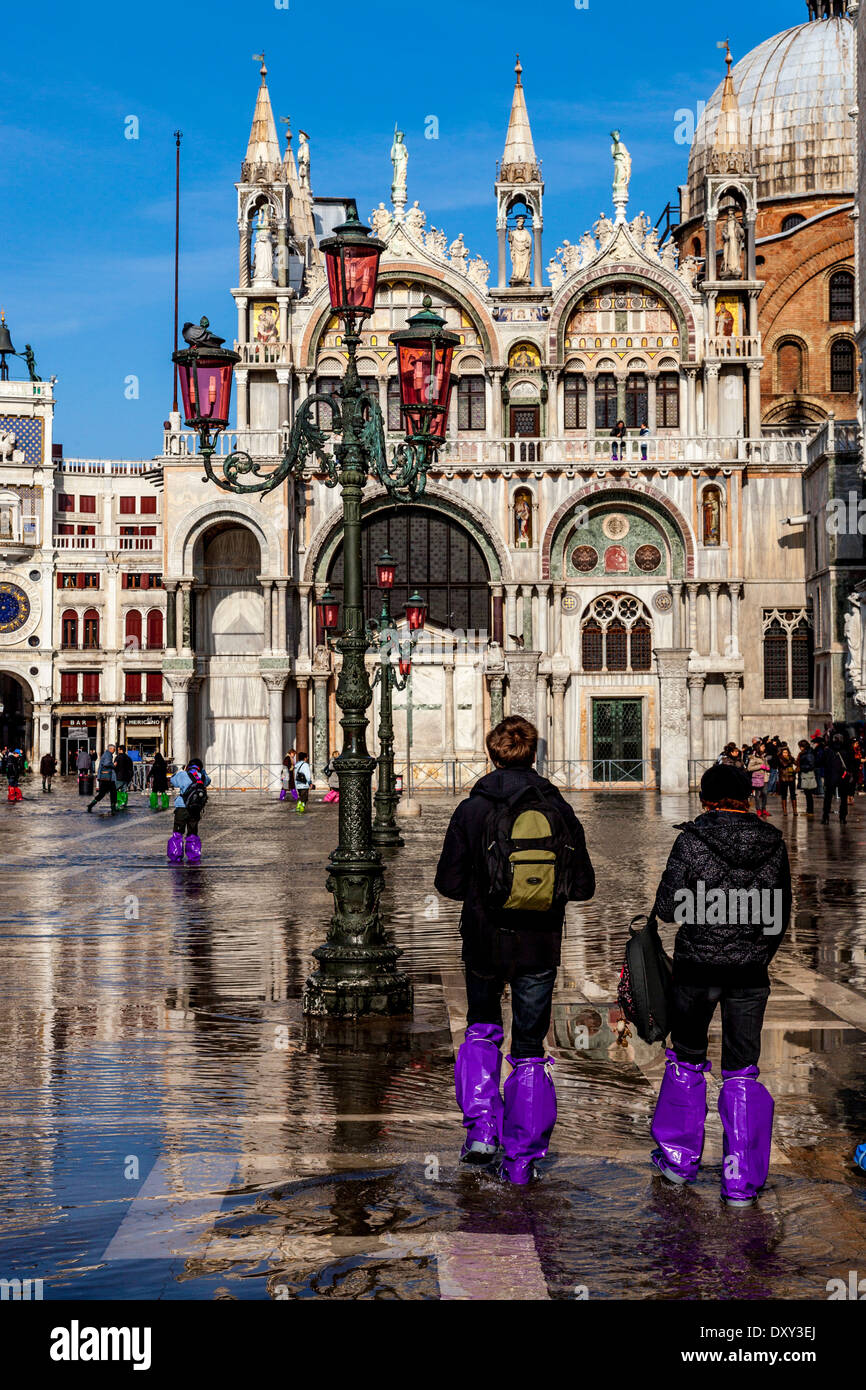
424, 353
205, 376
416, 612
329, 611
385, 571
405, 666
352, 262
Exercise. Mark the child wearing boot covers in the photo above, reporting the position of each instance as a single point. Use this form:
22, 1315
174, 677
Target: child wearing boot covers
191, 784
728, 884
14, 768
520, 946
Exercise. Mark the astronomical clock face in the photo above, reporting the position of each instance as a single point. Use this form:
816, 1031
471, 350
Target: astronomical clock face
14, 607
20, 610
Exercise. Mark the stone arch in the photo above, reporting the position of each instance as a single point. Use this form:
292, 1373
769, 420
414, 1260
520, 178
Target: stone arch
179, 558
329, 533
659, 280
605, 490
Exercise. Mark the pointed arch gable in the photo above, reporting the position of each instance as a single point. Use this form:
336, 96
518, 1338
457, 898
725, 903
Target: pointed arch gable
604, 490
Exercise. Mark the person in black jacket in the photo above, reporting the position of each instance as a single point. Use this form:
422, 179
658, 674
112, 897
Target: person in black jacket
521, 947
840, 773
47, 770
727, 883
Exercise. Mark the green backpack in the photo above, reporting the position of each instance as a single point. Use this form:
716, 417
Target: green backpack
528, 855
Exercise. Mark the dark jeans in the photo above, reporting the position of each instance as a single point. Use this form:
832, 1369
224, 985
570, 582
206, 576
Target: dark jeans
843, 802
810, 800
185, 822
692, 1008
106, 789
530, 1007
760, 795
787, 789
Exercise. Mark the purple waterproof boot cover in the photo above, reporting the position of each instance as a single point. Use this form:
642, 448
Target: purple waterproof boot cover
530, 1114
193, 849
746, 1109
476, 1079
174, 848
679, 1119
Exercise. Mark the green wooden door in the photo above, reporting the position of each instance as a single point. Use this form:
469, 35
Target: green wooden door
617, 741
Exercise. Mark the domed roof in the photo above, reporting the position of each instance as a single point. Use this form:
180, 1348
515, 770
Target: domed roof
794, 93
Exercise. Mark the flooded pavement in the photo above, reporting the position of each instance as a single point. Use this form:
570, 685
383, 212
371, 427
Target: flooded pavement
172, 1128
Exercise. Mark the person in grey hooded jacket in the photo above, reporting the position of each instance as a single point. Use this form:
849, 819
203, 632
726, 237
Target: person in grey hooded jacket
106, 777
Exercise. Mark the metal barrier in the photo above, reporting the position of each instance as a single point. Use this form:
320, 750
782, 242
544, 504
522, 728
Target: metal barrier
455, 776
697, 768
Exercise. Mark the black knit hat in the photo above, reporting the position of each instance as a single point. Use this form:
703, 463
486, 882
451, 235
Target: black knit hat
725, 783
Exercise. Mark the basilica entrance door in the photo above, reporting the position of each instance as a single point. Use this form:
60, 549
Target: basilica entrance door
617, 741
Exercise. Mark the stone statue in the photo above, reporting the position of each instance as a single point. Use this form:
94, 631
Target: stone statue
416, 220
651, 243
263, 258
520, 245
621, 168
478, 272
436, 242
639, 226
555, 272
602, 229
733, 240
314, 278
30, 360
457, 254
321, 659
688, 271
303, 159
588, 248
570, 257
399, 161
853, 656
668, 255
380, 220
7, 447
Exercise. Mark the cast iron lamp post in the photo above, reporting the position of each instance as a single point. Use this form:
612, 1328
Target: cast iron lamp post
357, 972
384, 635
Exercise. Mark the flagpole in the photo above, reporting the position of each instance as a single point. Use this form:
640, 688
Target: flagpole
178, 135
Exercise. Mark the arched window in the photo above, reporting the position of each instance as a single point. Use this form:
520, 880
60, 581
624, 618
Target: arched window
668, 401
791, 221
574, 400
789, 361
592, 643
395, 418
605, 401
91, 629
132, 630
842, 297
788, 654
154, 629
775, 661
635, 400
471, 411
842, 366
433, 554
616, 635
69, 628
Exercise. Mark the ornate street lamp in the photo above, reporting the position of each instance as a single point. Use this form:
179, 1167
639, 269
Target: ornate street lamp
329, 611
356, 973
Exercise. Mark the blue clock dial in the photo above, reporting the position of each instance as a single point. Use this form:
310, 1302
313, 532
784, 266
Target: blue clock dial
14, 607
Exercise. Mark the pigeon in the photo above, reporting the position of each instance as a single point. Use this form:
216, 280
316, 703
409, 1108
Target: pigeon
518, 641
199, 335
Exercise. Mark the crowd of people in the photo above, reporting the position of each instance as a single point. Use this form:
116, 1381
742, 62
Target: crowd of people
830, 766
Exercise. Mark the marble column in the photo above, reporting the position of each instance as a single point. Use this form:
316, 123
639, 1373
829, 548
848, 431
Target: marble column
696, 717
182, 616
732, 707
282, 620
494, 682
242, 376
673, 665
283, 396
590, 405
304, 617
267, 587
542, 722
180, 688
692, 391
448, 675
735, 591
711, 377
692, 596
528, 639
276, 684
558, 751
714, 619
321, 750
677, 612
510, 613
558, 591
652, 383
170, 587
542, 639
754, 404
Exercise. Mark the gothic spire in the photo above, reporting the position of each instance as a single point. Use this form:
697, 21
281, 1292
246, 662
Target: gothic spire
519, 164
728, 135
264, 146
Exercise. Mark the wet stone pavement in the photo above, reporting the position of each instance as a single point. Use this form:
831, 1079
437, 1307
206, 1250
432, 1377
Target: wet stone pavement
173, 1129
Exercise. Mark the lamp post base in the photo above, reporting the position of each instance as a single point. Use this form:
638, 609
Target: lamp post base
357, 983
387, 837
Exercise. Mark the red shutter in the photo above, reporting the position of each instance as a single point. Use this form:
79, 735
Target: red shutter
79, 580
69, 685
87, 504
133, 685
123, 579
145, 581
65, 502
127, 506
148, 506
60, 578
154, 685
90, 685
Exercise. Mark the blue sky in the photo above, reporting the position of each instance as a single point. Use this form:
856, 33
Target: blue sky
86, 260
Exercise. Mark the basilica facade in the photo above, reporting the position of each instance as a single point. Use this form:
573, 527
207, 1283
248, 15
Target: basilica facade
620, 535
